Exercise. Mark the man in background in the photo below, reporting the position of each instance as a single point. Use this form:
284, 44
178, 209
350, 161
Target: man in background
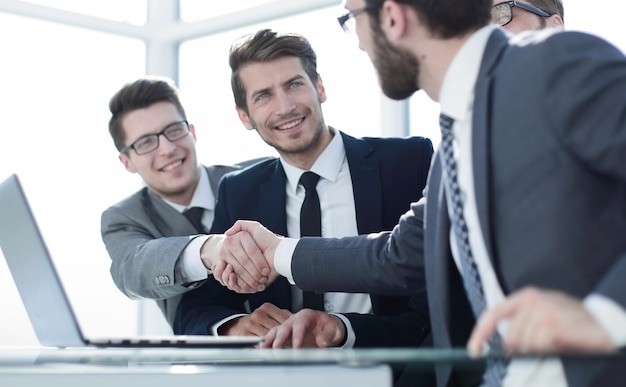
150, 237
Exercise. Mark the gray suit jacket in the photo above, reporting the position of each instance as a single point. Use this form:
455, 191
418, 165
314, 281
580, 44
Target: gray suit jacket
144, 237
549, 159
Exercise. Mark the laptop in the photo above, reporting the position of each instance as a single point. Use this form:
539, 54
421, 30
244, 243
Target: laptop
42, 292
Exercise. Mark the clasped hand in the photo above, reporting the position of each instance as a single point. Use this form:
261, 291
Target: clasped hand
243, 258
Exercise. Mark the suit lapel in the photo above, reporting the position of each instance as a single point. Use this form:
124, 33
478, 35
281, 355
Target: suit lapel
158, 210
272, 201
366, 184
480, 132
273, 215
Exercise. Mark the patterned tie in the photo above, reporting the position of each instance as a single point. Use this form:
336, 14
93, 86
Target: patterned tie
496, 368
311, 225
194, 214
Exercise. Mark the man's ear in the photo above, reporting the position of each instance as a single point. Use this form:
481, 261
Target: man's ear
243, 116
127, 163
555, 21
321, 91
393, 19
192, 129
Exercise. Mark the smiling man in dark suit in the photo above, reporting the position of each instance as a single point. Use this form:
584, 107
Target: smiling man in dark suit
525, 211
364, 185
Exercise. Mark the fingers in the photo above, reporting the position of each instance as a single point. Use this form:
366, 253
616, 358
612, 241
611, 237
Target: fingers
541, 322
307, 328
245, 260
486, 326
259, 322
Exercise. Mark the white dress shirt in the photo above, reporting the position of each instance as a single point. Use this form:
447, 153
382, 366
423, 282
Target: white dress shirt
338, 218
203, 197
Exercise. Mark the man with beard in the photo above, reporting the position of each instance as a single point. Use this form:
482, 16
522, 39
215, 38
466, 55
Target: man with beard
524, 212
364, 186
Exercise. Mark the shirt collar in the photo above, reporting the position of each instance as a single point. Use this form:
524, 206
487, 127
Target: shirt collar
457, 90
202, 197
327, 165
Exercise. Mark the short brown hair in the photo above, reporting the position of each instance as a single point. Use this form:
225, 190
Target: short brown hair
264, 46
140, 94
552, 7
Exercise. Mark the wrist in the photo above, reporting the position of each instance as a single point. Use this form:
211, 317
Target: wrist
209, 252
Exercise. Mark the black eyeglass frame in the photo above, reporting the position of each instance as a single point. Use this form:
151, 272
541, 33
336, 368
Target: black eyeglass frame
158, 135
527, 7
343, 19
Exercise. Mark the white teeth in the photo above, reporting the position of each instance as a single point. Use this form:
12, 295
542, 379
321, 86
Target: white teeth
290, 125
171, 166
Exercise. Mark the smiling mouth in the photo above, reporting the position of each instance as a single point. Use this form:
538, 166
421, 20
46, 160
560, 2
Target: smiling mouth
290, 124
171, 166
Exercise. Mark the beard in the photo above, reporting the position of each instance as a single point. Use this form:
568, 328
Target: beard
397, 69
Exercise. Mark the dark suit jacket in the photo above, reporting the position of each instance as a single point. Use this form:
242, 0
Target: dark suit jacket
387, 175
549, 157
144, 237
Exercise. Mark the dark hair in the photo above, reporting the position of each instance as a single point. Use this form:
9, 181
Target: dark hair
140, 94
264, 46
552, 7
444, 18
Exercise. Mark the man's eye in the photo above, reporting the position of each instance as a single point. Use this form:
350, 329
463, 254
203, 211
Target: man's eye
145, 142
295, 84
262, 96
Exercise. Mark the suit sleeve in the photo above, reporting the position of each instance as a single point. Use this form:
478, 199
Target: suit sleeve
388, 263
406, 329
200, 308
142, 265
592, 122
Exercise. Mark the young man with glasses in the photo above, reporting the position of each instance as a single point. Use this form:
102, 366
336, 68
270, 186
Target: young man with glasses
524, 211
517, 16
154, 247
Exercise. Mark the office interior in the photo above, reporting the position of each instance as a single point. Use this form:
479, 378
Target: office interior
63, 59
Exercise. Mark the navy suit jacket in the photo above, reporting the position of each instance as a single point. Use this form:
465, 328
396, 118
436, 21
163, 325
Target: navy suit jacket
387, 175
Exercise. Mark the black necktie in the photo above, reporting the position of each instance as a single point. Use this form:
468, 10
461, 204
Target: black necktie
496, 369
194, 214
311, 225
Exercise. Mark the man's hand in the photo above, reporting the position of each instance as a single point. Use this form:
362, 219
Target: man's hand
257, 323
541, 322
247, 258
307, 328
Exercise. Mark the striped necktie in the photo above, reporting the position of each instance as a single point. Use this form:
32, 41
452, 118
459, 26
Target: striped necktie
496, 367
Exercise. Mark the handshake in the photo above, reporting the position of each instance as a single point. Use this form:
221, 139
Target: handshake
242, 259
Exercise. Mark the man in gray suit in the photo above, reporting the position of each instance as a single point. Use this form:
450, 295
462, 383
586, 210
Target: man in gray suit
524, 211
154, 249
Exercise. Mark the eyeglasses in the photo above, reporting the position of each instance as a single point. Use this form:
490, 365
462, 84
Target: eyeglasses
150, 142
502, 13
347, 21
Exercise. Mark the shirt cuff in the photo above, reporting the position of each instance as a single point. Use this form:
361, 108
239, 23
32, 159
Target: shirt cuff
282, 257
350, 336
193, 268
217, 325
610, 315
